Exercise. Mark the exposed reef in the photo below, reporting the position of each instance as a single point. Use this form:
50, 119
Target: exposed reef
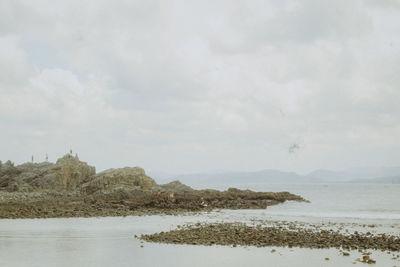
279, 235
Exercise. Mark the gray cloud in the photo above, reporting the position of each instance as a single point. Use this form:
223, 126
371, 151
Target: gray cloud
185, 87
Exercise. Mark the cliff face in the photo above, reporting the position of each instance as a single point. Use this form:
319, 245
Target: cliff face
72, 173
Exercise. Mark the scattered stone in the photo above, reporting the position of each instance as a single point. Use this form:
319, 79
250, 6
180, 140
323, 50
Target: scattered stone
366, 259
245, 235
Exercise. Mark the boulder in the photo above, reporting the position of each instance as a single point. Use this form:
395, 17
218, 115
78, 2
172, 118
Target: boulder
177, 187
69, 173
112, 180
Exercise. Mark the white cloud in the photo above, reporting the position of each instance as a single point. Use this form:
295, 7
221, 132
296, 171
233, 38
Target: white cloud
182, 86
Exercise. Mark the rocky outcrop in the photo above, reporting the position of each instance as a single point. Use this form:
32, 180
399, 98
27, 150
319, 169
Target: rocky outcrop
73, 172
176, 186
65, 175
71, 188
124, 179
69, 174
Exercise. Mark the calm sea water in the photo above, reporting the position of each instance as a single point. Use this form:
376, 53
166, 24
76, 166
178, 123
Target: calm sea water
350, 201
110, 241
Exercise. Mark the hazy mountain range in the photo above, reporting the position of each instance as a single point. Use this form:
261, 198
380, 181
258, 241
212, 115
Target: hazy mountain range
389, 175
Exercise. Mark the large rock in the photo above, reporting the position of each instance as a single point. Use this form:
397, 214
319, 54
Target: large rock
113, 180
70, 175
7, 173
71, 172
66, 175
177, 187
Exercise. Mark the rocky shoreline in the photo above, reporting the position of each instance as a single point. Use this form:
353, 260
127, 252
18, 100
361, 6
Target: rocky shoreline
140, 203
72, 188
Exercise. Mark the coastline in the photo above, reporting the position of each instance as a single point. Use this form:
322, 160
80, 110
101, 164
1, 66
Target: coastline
72, 188
99, 205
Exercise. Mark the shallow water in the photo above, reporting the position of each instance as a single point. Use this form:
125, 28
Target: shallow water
110, 241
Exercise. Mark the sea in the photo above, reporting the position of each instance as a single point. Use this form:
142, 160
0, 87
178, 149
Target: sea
111, 241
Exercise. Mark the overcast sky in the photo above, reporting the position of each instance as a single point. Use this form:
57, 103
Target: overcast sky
188, 86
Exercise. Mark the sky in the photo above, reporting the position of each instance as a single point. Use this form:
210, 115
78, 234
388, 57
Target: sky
198, 86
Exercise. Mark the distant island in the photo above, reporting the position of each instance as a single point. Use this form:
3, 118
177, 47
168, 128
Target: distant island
369, 175
72, 188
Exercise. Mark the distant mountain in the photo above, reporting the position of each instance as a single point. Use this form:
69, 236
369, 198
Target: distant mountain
264, 176
372, 175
